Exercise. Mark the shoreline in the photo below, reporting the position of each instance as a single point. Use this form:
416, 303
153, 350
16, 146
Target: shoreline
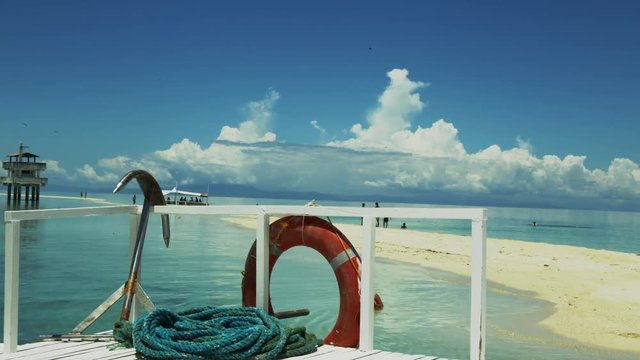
66, 197
593, 294
92, 199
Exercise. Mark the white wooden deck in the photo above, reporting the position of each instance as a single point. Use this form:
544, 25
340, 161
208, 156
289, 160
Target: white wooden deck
53, 350
99, 350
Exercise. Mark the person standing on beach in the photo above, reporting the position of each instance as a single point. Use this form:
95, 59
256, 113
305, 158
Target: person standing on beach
377, 219
385, 222
362, 219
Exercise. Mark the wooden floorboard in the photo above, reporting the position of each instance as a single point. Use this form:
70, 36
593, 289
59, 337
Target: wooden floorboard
75, 350
385, 355
322, 350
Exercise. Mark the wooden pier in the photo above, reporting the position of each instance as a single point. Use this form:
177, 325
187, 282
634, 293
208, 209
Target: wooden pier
262, 213
23, 171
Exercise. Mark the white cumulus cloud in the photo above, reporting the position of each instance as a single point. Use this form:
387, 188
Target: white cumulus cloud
395, 106
390, 124
87, 172
255, 129
54, 167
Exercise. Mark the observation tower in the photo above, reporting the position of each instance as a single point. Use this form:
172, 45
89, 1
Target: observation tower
23, 170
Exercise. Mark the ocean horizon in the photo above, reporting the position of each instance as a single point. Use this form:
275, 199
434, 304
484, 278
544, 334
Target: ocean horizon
426, 313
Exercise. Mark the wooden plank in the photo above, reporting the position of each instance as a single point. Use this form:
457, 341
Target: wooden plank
346, 355
324, 349
25, 347
25, 351
81, 351
422, 357
384, 355
84, 351
380, 355
107, 354
123, 356
59, 350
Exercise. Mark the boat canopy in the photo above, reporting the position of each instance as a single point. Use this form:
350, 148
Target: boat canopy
175, 191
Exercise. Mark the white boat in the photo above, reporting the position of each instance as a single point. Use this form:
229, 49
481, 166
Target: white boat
180, 197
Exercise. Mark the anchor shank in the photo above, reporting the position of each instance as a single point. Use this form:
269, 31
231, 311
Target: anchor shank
135, 261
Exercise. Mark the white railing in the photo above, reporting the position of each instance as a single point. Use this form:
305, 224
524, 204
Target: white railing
477, 216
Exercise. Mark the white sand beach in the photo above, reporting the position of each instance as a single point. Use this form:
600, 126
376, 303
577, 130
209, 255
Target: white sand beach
596, 293
90, 199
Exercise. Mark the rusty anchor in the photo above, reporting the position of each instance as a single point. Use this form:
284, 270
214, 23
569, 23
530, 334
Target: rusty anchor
131, 288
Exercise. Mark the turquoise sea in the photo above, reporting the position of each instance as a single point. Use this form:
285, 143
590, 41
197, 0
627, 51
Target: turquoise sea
69, 266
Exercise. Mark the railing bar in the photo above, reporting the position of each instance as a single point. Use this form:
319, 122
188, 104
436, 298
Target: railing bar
398, 212
367, 283
477, 332
11, 285
262, 261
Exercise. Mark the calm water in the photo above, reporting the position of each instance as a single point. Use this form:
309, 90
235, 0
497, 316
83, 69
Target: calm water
69, 266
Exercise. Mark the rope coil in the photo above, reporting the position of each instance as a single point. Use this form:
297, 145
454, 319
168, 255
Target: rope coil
224, 333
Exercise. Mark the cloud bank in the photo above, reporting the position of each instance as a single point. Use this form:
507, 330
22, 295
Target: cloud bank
387, 156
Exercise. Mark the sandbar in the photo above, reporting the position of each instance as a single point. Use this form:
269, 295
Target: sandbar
90, 199
595, 294
95, 200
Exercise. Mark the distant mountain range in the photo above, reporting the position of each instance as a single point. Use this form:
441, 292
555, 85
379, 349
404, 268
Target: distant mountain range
400, 196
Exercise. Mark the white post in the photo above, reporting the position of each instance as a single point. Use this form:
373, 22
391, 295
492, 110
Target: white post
262, 261
134, 222
477, 334
11, 284
366, 282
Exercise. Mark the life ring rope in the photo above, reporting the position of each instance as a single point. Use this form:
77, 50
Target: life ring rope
284, 226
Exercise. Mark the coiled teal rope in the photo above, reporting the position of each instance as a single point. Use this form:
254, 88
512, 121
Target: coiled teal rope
224, 333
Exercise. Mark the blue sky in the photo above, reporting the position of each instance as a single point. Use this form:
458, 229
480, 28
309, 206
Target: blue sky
534, 101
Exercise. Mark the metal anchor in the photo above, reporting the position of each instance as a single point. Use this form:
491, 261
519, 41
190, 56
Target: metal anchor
152, 196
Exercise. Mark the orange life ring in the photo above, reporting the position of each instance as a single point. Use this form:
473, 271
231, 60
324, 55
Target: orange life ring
325, 238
